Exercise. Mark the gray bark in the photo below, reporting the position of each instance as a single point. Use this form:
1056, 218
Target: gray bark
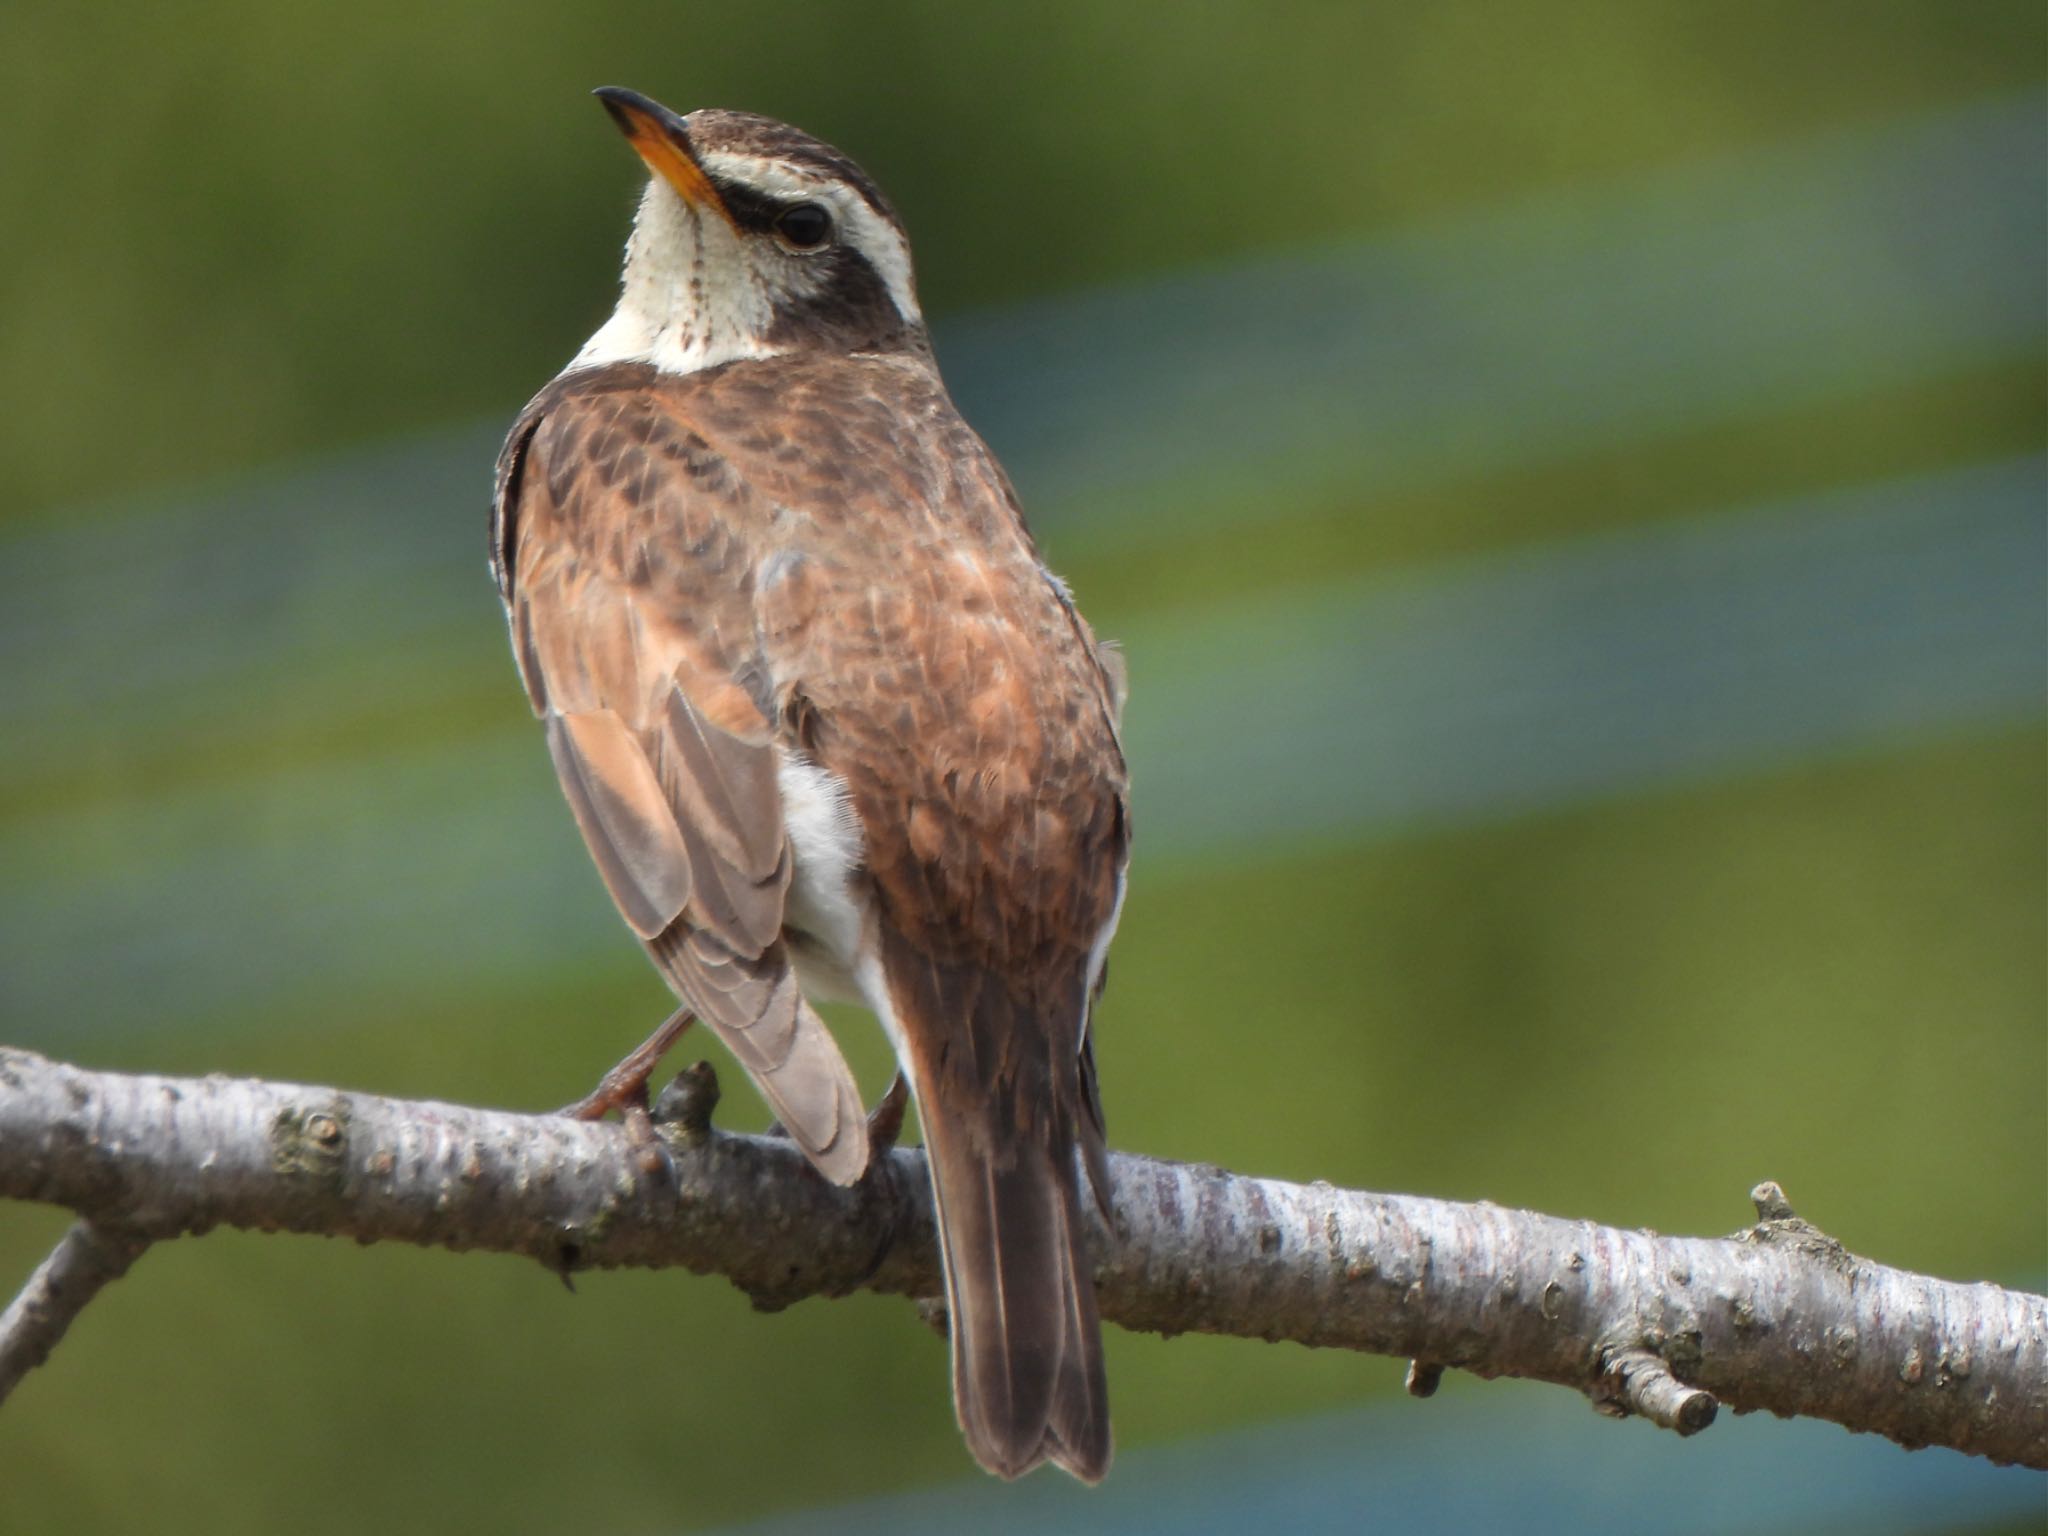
1777, 1316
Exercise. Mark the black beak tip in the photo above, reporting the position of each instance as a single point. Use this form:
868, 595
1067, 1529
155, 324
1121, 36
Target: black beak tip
628, 107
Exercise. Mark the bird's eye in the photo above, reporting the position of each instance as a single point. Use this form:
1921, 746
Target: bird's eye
806, 227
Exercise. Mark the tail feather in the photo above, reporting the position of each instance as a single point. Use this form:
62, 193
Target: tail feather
1028, 1379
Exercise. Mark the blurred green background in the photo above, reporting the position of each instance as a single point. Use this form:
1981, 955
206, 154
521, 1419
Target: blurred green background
1568, 475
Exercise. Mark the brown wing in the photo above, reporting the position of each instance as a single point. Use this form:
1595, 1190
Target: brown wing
624, 580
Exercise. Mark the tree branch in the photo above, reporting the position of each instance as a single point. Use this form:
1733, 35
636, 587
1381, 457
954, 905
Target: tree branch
85, 1260
1778, 1316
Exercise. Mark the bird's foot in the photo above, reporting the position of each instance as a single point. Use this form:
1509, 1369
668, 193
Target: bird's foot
879, 1182
624, 1088
885, 1120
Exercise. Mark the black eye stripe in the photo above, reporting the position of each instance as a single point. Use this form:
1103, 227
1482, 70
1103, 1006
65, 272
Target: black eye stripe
749, 209
759, 213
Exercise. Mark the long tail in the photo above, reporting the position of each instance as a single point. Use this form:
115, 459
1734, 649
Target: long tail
1028, 1380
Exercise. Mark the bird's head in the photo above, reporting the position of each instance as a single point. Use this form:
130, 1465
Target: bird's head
753, 240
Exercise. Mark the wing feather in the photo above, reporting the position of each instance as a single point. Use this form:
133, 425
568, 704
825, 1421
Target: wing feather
640, 850
716, 780
664, 757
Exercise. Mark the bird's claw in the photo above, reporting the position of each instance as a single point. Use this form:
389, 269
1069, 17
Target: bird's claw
624, 1088
885, 1120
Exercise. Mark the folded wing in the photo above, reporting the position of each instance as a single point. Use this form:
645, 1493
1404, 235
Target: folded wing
634, 641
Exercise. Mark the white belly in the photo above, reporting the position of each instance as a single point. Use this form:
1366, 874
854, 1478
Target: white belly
824, 921
831, 938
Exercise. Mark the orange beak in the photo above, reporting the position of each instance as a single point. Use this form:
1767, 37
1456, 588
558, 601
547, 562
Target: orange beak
663, 140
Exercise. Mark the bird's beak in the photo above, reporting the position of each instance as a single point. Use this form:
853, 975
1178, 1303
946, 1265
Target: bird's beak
663, 141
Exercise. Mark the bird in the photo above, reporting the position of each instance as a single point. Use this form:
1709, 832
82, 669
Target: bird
832, 729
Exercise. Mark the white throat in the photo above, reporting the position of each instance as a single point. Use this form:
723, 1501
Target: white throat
689, 300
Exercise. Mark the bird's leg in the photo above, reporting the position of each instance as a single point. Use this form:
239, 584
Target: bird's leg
885, 1124
624, 1088
885, 1120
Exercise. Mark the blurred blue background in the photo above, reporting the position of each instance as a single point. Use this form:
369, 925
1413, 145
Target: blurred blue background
1569, 478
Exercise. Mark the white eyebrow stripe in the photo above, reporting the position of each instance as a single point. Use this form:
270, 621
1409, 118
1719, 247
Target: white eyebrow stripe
872, 235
